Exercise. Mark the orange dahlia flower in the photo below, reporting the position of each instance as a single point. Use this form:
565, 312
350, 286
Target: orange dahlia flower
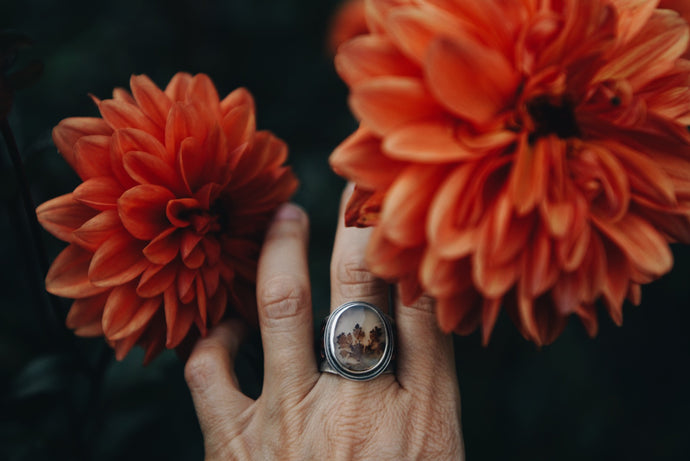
164, 232
528, 154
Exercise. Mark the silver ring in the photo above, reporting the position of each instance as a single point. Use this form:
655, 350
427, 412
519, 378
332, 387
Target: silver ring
358, 342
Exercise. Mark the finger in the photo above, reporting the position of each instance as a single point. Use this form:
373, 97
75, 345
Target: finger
284, 301
350, 278
211, 378
425, 353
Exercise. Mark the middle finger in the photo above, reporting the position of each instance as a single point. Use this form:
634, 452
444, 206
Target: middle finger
350, 278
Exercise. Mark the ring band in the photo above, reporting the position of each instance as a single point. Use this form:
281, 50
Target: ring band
358, 342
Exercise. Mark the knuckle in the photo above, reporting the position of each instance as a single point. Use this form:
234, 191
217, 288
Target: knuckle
425, 305
202, 365
283, 297
355, 279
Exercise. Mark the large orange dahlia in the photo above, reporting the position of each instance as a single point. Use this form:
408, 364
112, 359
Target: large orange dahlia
529, 154
164, 232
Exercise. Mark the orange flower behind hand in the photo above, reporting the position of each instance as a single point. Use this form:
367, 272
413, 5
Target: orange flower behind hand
532, 155
164, 232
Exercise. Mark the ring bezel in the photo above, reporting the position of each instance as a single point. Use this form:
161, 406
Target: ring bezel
329, 334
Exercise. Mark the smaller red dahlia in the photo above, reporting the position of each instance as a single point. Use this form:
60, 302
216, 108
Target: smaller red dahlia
164, 232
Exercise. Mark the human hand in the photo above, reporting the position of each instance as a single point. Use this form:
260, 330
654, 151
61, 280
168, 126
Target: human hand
303, 414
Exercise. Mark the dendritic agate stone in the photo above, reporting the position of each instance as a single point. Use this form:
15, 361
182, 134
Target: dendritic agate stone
359, 338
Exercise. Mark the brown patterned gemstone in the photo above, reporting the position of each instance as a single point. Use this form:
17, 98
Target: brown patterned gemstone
359, 338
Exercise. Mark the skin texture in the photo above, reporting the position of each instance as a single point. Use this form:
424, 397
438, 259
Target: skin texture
303, 414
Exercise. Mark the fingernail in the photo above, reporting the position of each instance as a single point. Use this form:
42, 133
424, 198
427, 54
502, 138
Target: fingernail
289, 212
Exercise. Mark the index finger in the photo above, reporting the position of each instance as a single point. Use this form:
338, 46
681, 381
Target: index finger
211, 378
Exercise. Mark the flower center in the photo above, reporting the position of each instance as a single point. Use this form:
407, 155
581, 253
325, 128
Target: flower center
203, 222
188, 213
552, 117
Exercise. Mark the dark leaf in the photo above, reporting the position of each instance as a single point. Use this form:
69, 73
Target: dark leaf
43, 375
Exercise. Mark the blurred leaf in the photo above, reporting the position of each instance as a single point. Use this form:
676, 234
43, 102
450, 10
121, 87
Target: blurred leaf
43, 375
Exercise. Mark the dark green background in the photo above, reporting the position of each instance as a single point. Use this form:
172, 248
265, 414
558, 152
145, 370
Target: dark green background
622, 395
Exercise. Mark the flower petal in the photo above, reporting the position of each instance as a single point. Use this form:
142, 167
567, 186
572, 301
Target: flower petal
202, 306
120, 114
62, 215
238, 97
178, 318
117, 261
239, 125
192, 163
407, 202
459, 312
156, 279
490, 311
360, 159
386, 103
185, 283
217, 306
143, 210
266, 153
646, 178
146, 168
363, 208
202, 91
650, 52
92, 156
450, 231
126, 313
68, 132
471, 80
94, 232
540, 270
442, 277
391, 261
189, 245
68, 275
135, 140
152, 101
646, 248
184, 121
85, 315
98, 193
528, 177
211, 278
177, 88
370, 56
413, 29
163, 248
426, 143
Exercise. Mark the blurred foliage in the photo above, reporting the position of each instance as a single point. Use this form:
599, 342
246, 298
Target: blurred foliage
621, 395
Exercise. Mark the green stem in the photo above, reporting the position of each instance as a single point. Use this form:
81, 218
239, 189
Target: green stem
34, 227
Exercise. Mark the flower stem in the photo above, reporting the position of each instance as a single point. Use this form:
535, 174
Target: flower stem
34, 228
